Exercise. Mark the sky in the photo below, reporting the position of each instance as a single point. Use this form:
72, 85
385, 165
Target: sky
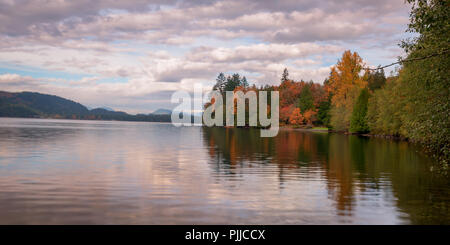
132, 55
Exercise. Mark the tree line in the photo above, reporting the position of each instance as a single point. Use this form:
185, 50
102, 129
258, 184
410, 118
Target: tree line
412, 103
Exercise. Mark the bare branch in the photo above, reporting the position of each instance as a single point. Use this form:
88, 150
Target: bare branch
409, 60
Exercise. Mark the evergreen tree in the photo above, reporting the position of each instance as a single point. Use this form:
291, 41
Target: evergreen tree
244, 82
233, 82
305, 100
220, 83
376, 80
358, 121
285, 75
323, 114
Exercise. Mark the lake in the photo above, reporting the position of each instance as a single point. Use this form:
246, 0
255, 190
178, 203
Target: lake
104, 172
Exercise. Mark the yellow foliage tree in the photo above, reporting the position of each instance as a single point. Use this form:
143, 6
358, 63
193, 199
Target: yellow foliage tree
345, 83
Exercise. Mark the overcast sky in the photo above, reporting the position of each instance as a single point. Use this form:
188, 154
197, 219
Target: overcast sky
131, 55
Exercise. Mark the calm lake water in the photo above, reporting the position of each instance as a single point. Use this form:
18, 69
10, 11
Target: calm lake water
100, 172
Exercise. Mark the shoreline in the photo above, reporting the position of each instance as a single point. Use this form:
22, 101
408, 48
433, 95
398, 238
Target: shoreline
327, 130
85, 119
281, 127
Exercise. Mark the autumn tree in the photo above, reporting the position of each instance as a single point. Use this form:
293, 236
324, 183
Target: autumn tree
285, 113
296, 117
345, 83
306, 96
289, 92
309, 116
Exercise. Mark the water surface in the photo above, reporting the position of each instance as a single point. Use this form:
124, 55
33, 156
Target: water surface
101, 172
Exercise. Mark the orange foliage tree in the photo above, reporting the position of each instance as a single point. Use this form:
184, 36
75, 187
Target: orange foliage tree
344, 76
296, 117
310, 116
285, 113
289, 92
345, 83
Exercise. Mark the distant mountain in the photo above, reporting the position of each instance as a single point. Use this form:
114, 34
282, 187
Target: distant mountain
101, 111
31, 104
106, 108
162, 112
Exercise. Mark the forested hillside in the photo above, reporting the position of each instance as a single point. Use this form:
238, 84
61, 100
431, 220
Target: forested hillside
36, 105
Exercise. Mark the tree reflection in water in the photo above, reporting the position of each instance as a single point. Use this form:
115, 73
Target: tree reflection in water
353, 168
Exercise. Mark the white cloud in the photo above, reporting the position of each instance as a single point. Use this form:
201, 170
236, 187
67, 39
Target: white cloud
263, 52
129, 53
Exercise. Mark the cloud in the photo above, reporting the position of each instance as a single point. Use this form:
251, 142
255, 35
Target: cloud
129, 53
285, 21
15, 80
21, 16
263, 52
87, 90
